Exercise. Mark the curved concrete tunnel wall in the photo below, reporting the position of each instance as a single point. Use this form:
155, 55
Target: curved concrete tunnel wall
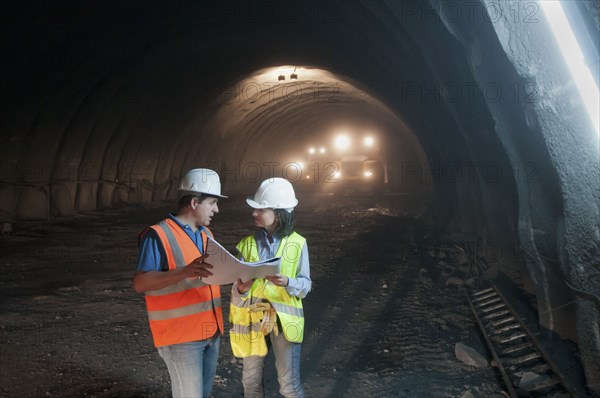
107, 104
259, 127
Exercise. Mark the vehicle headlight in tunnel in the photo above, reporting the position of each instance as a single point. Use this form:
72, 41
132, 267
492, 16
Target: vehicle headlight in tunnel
368, 174
342, 142
369, 141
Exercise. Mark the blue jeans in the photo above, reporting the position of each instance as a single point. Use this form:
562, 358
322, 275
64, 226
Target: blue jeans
287, 362
192, 366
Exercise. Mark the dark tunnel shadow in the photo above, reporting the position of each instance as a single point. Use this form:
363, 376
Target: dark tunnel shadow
382, 236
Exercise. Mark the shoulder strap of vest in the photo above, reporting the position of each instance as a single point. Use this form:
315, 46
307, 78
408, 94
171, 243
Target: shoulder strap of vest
204, 233
248, 248
296, 238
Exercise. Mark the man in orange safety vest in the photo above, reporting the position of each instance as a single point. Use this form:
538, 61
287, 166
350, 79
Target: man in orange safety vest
184, 313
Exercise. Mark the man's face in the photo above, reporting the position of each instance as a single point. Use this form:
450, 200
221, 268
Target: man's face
205, 210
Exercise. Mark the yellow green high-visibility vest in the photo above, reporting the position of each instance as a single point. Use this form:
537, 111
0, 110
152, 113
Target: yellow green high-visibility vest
245, 336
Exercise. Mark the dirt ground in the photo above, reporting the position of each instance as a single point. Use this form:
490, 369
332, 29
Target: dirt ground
380, 321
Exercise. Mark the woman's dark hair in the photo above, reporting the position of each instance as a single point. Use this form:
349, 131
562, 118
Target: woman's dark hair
287, 222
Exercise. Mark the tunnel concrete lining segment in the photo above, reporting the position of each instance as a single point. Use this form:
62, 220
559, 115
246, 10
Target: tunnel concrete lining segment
94, 94
285, 117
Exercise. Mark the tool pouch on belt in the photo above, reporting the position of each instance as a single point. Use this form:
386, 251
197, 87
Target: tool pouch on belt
269, 317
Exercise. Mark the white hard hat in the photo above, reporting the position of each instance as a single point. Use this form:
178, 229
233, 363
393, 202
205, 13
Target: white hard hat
198, 181
274, 193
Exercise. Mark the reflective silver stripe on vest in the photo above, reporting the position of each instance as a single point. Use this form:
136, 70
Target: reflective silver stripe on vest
244, 329
240, 302
183, 311
188, 283
175, 249
288, 309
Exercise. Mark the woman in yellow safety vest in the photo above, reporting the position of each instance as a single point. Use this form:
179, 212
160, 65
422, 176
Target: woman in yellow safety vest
267, 313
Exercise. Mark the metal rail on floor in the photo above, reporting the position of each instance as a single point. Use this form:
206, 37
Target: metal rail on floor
526, 370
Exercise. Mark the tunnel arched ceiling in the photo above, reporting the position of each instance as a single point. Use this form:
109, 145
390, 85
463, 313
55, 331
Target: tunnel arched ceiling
273, 122
95, 108
107, 103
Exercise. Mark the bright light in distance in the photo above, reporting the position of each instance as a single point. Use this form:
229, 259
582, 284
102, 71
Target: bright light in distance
342, 142
322, 150
300, 164
574, 57
368, 174
369, 141
337, 174
311, 150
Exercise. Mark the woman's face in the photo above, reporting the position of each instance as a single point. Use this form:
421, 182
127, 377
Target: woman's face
265, 218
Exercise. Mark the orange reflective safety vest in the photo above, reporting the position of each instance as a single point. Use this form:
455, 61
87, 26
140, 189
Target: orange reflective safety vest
189, 310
